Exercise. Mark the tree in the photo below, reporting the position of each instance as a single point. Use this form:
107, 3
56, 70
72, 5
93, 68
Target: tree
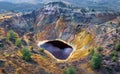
92, 52
113, 53
31, 48
96, 60
41, 50
26, 55
99, 48
117, 46
114, 58
70, 70
18, 42
11, 35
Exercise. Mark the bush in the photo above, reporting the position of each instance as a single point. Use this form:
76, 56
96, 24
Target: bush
26, 55
41, 50
92, 52
31, 48
117, 46
114, 58
113, 53
18, 42
96, 60
11, 35
108, 69
99, 48
70, 70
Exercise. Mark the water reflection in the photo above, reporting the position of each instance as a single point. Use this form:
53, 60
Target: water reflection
58, 49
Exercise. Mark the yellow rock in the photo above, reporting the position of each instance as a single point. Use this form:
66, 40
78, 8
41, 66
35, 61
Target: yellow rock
82, 43
6, 54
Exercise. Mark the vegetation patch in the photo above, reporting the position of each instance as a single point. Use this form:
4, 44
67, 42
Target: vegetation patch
96, 58
99, 48
70, 70
11, 36
26, 55
117, 46
41, 50
18, 42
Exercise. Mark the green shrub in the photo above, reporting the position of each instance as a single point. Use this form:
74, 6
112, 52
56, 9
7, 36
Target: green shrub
18, 42
41, 50
114, 58
113, 53
96, 60
70, 70
26, 55
92, 52
108, 69
11, 35
99, 48
31, 48
117, 46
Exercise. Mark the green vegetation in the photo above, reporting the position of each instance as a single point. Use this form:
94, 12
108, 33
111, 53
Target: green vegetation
26, 55
51, 73
31, 48
113, 53
92, 52
108, 69
18, 42
117, 46
11, 35
114, 58
70, 70
99, 48
41, 50
96, 60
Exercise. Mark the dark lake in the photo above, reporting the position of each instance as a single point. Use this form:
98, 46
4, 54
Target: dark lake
58, 49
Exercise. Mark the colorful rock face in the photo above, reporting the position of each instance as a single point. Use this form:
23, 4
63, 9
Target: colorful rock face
58, 49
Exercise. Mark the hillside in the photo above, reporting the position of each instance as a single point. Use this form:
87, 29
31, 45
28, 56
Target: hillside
92, 39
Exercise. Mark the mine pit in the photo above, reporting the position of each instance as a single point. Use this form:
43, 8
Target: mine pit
59, 49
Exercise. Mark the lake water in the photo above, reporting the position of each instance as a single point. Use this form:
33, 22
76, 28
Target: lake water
58, 49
